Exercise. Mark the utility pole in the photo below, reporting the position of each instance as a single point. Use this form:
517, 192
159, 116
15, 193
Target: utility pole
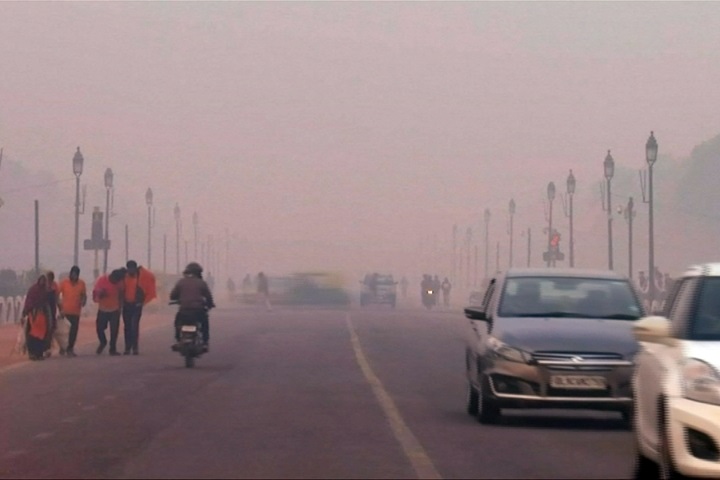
511, 210
529, 235
37, 238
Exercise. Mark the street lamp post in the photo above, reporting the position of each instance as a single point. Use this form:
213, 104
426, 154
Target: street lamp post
108, 188
511, 209
453, 270
571, 194
468, 243
651, 151
551, 198
609, 167
77, 162
149, 201
195, 227
629, 214
177, 237
487, 241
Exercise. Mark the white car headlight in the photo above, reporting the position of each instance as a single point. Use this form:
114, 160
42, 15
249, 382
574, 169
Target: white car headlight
700, 382
507, 352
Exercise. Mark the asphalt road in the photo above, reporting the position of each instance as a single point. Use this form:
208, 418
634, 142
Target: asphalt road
292, 393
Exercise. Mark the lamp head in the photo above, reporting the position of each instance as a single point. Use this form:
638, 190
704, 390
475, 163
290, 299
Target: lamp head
571, 183
609, 166
78, 161
651, 149
551, 191
108, 178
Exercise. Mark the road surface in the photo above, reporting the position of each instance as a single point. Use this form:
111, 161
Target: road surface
292, 393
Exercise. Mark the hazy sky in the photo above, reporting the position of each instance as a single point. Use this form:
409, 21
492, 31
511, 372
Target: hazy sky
376, 123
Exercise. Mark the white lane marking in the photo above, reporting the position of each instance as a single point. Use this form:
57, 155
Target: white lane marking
44, 435
109, 397
416, 454
70, 420
88, 408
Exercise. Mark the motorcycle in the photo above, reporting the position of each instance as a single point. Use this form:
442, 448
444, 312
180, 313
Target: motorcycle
429, 298
190, 345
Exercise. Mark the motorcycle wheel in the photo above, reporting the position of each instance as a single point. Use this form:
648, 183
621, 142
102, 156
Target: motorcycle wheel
189, 361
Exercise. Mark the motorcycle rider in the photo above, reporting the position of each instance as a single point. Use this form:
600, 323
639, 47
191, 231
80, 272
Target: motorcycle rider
436, 288
425, 285
194, 296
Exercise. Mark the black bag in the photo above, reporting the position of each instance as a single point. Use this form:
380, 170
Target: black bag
139, 292
139, 295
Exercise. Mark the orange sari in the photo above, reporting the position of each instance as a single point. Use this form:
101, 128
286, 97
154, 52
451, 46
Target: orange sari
38, 314
38, 323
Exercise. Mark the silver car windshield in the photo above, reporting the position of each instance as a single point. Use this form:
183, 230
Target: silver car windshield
569, 297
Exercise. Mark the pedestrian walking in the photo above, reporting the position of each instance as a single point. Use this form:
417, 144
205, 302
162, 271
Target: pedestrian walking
446, 286
107, 294
52, 293
263, 290
138, 288
72, 298
231, 289
37, 312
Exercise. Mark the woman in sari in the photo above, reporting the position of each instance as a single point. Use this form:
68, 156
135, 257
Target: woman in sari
38, 318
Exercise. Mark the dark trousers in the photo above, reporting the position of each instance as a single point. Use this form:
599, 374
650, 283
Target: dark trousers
131, 315
188, 318
74, 326
113, 319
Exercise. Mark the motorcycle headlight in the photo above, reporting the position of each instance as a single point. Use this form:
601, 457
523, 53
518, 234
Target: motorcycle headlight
506, 352
700, 382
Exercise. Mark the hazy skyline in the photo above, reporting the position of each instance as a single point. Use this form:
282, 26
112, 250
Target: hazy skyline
347, 123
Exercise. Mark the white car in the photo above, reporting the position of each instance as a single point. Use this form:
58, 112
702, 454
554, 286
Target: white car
676, 383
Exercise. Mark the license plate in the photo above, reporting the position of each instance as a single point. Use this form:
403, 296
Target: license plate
578, 382
188, 328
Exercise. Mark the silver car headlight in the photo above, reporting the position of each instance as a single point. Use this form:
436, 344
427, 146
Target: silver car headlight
506, 352
700, 382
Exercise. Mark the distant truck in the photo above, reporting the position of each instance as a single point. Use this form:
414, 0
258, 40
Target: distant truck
378, 289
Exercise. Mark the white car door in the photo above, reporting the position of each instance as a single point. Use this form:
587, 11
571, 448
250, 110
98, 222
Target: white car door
653, 363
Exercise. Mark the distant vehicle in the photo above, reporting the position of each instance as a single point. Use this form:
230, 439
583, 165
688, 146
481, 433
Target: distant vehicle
318, 288
378, 289
677, 382
552, 338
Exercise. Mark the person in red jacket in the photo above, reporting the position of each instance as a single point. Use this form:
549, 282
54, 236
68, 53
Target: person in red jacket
139, 288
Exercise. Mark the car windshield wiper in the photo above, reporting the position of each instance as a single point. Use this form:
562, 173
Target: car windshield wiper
553, 314
614, 316
619, 316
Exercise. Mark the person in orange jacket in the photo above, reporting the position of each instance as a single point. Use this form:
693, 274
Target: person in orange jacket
139, 288
107, 294
72, 298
